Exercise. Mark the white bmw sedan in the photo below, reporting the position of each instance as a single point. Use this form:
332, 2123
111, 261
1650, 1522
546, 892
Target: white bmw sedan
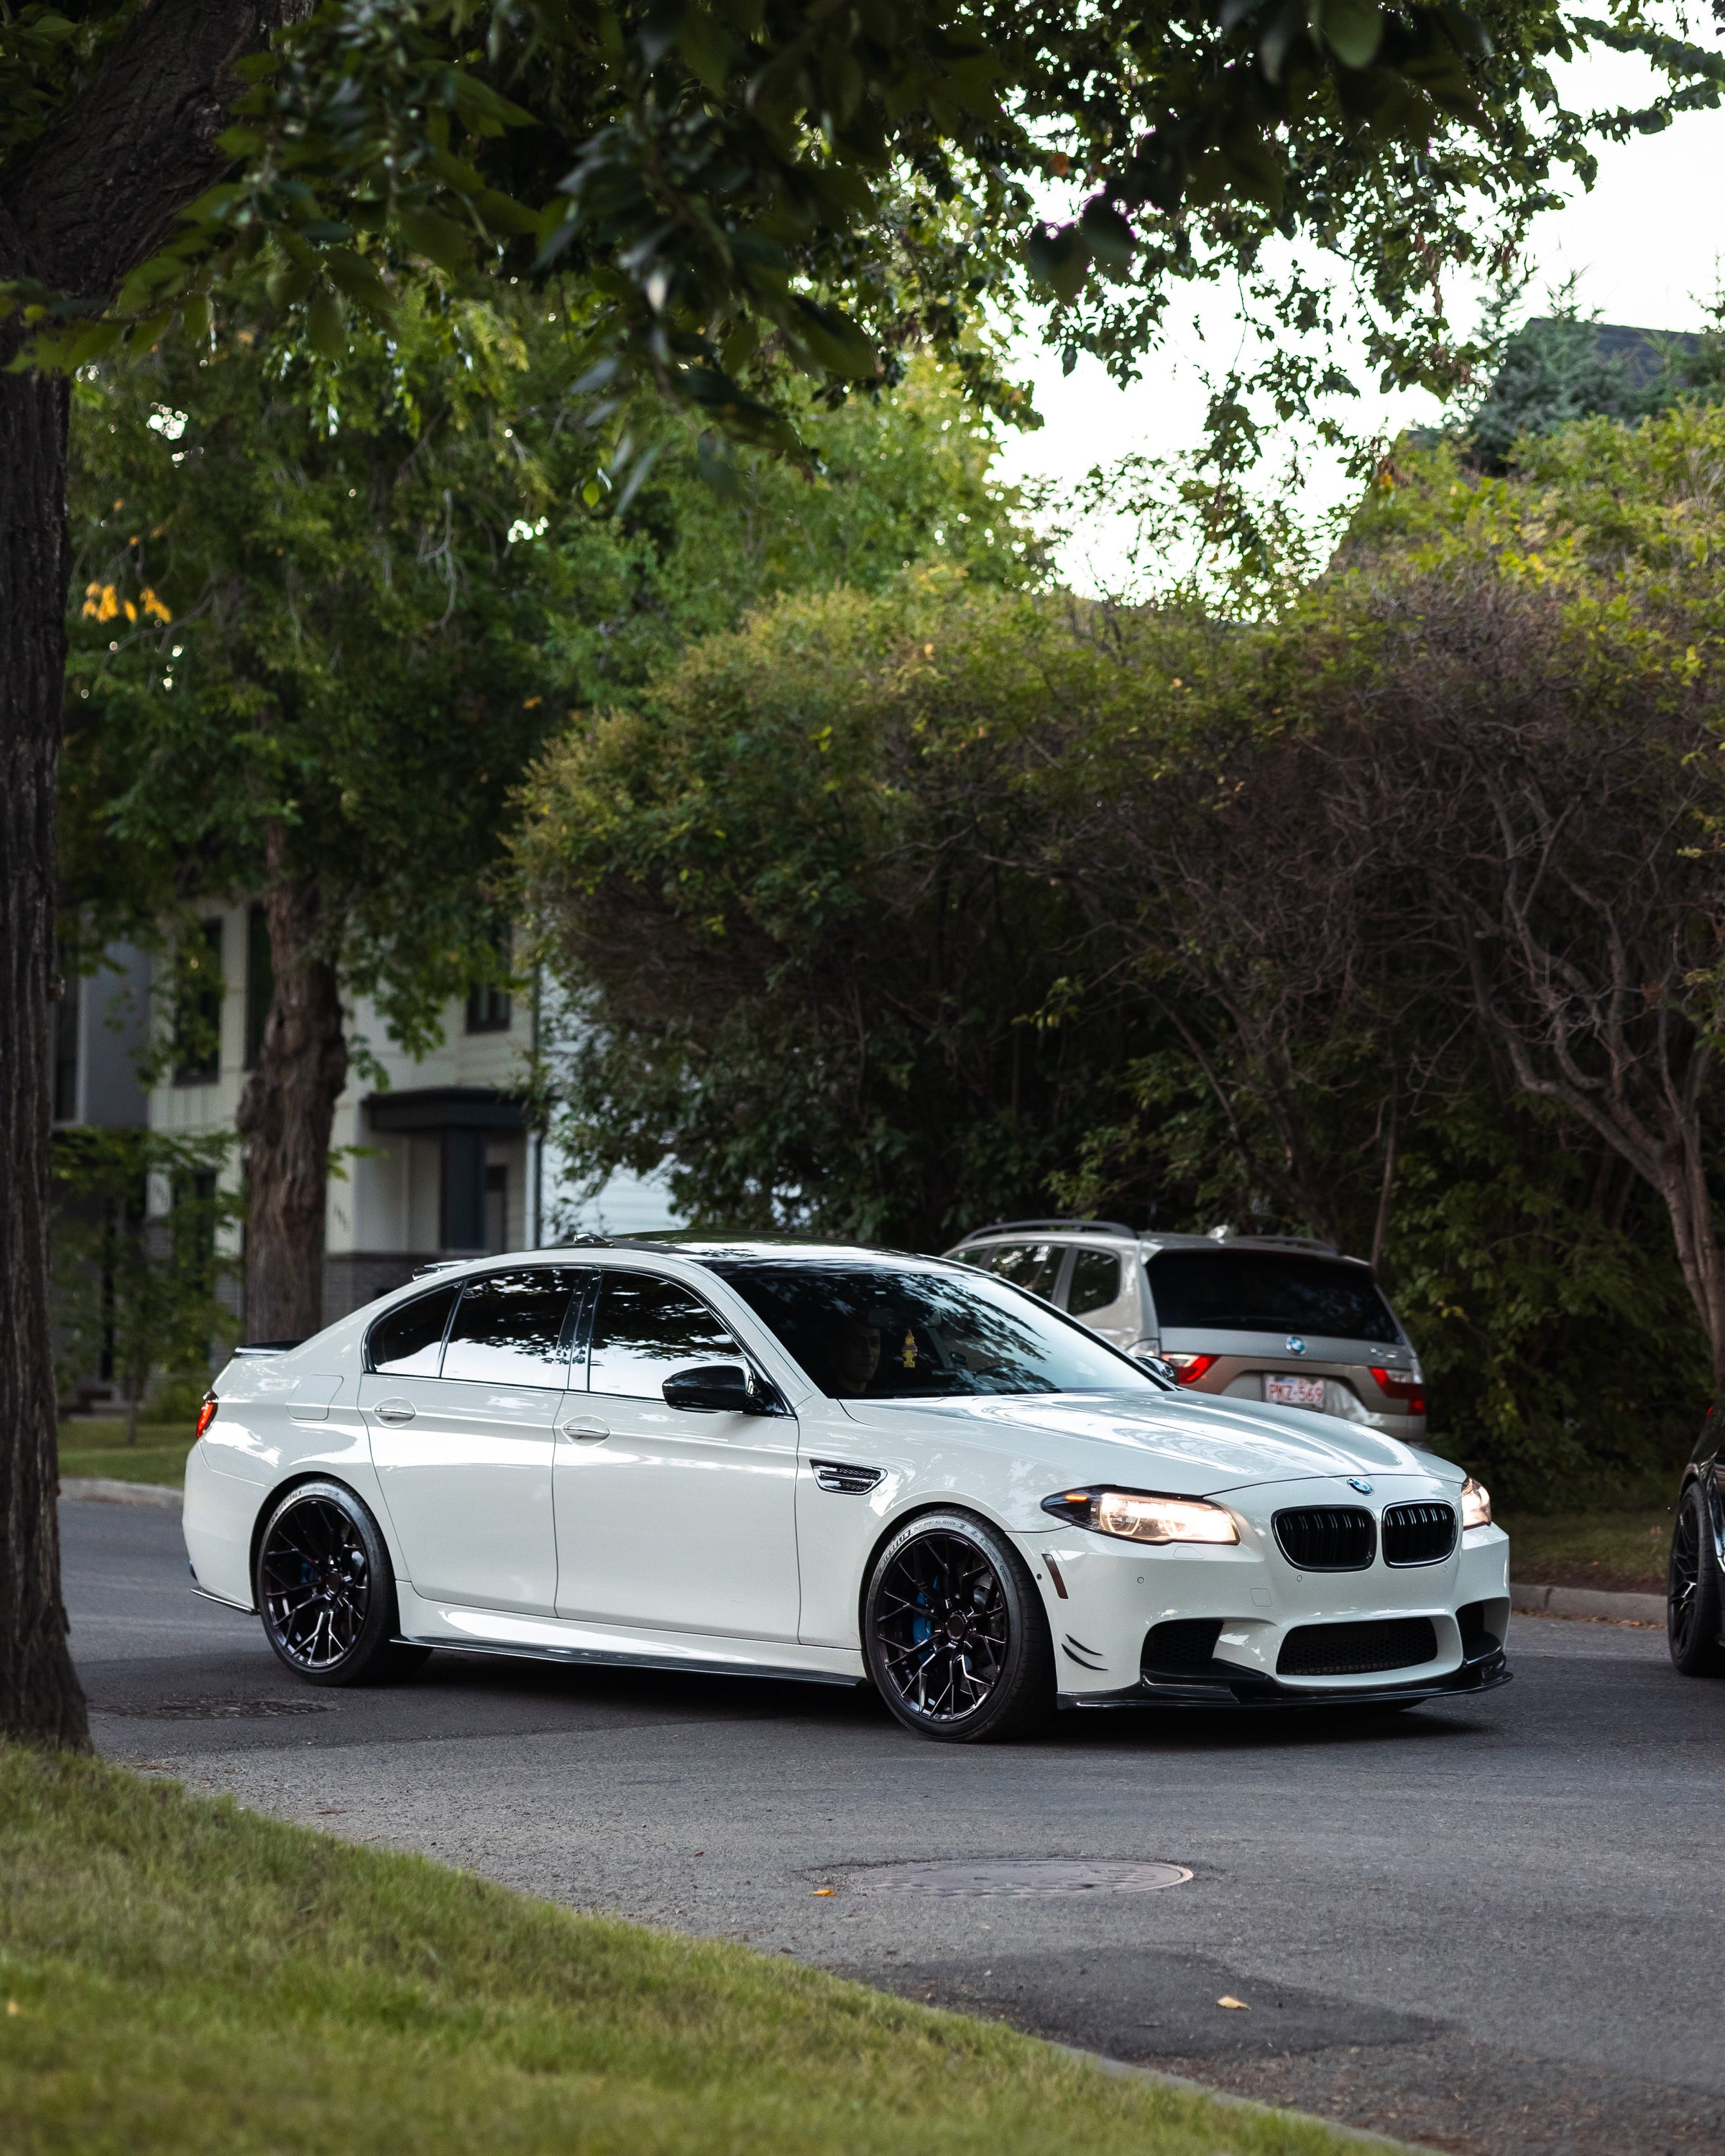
838, 1465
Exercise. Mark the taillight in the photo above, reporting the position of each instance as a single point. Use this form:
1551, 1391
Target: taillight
1408, 1394
1188, 1369
206, 1414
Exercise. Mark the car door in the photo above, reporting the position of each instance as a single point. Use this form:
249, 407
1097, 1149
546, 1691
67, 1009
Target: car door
677, 1519
1101, 1292
463, 1421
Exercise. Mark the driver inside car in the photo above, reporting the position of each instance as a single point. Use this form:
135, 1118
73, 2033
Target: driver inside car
855, 1357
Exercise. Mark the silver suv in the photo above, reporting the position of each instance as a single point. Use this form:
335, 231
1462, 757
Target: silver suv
1280, 1318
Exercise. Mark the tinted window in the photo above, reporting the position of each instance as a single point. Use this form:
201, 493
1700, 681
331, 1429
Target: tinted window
1033, 1265
407, 1341
647, 1328
876, 1332
1095, 1281
1267, 1292
508, 1330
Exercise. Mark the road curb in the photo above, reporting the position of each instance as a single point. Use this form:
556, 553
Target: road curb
1187, 2086
107, 1490
1587, 1602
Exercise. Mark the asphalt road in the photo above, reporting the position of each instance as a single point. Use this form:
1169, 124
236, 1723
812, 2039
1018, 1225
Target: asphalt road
1488, 1928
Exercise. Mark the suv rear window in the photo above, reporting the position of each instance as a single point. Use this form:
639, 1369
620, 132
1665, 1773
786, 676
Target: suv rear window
1267, 1292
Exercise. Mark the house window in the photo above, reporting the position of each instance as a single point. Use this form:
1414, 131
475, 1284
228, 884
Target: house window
198, 1006
488, 1008
260, 983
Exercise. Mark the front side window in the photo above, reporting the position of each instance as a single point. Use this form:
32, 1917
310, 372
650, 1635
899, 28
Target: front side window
1225, 1291
1096, 1282
511, 1327
407, 1341
646, 1328
876, 1332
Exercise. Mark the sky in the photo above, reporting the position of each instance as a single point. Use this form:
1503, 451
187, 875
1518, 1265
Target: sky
1646, 245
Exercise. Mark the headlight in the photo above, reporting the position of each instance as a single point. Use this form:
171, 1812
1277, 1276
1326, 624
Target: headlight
1141, 1517
1476, 1504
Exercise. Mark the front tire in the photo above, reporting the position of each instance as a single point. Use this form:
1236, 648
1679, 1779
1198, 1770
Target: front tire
326, 1589
1693, 1615
954, 1633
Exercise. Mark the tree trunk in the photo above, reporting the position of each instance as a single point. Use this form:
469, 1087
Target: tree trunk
1683, 1186
94, 194
286, 1118
40, 1699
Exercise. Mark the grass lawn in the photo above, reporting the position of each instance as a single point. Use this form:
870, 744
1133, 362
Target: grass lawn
1622, 1553
179, 1975
95, 1444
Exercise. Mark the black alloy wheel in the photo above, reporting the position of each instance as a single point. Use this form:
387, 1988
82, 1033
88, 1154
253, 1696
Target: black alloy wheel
954, 1631
326, 1591
1693, 1615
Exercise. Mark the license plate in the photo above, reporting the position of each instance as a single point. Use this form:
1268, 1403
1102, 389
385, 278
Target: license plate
1294, 1392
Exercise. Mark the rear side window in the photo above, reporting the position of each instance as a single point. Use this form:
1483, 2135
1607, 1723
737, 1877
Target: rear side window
646, 1328
406, 1340
1225, 1291
1096, 1282
1033, 1265
510, 1329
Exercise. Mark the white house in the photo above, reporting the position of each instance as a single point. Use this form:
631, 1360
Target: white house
437, 1161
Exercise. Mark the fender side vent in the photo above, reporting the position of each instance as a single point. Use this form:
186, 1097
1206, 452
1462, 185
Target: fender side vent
845, 1479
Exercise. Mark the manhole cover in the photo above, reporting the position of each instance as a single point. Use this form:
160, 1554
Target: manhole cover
1021, 1875
214, 1710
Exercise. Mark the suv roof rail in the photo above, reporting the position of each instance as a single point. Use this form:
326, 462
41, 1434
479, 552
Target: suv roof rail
1070, 1227
1311, 1243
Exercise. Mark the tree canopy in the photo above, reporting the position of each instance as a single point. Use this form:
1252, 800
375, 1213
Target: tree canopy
1394, 918
747, 183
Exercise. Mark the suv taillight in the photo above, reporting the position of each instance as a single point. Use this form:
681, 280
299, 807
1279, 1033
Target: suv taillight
1408, 1394
1189, 1368
206, 1414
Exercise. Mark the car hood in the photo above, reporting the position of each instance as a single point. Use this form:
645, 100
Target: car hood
1187, 1445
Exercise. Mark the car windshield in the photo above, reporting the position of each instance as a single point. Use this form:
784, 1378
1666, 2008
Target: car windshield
874, 1332
1225, 1291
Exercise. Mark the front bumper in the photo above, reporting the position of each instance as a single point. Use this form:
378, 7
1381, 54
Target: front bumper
1485, 1673
1116, 1606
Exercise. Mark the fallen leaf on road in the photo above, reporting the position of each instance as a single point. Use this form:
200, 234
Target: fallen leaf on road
1228, 2000
823, 1890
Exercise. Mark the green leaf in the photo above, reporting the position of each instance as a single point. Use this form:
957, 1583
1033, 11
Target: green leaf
1110, 237
1058, 258
438, 238
1352, 29
705, 45
324, 330
837, 342
356, 280
289, 282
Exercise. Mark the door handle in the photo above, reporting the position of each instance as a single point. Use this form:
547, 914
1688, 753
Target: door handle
584, 1430
394, 1410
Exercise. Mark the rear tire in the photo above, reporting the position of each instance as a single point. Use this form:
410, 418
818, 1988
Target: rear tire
954, 1633
1693, 1615
326, 1589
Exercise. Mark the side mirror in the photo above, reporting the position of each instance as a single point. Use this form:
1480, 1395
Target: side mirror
718, 1387
1158, 1368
